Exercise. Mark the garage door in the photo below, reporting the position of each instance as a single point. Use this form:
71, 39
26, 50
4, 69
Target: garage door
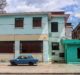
33, 47
6, 46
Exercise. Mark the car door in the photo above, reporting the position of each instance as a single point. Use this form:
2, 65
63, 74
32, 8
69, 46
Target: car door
20, 60
23, 60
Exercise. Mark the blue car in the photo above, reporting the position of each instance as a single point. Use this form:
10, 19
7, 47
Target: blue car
24, 60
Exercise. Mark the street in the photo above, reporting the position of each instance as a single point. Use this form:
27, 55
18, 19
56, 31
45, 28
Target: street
40, 69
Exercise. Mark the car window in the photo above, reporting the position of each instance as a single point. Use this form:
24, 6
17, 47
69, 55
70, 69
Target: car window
30, 57
22, 57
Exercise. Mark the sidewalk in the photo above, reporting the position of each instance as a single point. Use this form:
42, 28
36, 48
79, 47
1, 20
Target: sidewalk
40, 68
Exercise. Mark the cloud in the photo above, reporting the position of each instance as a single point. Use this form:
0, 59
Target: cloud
20, 6
69, 6
37, 5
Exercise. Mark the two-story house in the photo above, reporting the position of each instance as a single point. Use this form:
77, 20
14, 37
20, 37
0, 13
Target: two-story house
36, 33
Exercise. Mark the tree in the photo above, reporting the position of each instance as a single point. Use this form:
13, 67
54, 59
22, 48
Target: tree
2, 6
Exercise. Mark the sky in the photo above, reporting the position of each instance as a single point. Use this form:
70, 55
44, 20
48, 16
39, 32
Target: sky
71, 7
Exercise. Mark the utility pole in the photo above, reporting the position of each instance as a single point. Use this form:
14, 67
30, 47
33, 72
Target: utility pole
2, 6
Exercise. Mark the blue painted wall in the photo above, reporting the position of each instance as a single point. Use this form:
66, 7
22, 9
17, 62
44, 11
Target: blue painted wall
7, 25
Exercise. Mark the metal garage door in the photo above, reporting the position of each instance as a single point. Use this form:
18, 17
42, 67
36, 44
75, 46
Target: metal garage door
32, 47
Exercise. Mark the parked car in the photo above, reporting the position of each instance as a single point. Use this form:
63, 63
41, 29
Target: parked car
24, 60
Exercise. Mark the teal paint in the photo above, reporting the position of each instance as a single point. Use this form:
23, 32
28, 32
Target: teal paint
71, 51
17, 48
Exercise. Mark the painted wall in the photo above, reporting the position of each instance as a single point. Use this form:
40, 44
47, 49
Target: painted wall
7, 25
69, 32
56, 37
71, 53
7, 28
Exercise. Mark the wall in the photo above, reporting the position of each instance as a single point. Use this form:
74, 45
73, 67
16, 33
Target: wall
69, 32
7, 25
56, 37
8, 32
71, 53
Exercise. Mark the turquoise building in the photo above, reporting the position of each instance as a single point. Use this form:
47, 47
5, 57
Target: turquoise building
32, 33
72, 51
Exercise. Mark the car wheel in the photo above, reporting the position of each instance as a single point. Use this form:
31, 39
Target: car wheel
31, 63
13, 64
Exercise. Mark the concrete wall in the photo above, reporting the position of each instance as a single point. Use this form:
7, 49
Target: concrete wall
7, 25
71, 54
8, 32
69, 32
56, 37
5, 57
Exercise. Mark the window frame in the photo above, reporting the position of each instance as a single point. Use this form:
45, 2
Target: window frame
28, 44
55, 46
54, 24
61, 55
19, 19
35, 19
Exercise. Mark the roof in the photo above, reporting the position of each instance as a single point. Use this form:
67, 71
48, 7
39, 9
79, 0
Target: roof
76, 28
33, 13
71, 41
57, 14
24, 13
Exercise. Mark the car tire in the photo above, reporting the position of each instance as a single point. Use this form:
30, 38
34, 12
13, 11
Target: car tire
13, 64
31, 63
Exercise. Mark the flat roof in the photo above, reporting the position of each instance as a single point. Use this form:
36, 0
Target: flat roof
22, 13
71, 41
33, 13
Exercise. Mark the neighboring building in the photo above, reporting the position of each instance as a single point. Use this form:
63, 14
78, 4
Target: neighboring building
72, 51
76, 32
36, 33
68, 30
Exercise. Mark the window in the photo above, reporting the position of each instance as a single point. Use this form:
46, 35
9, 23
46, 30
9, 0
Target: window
53, 53
31, 46
55, 46
19, 22
54, 27
37, 21
78, 52
6, 46
61, 54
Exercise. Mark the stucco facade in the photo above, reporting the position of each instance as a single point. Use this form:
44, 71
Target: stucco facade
8, 32
72, 51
